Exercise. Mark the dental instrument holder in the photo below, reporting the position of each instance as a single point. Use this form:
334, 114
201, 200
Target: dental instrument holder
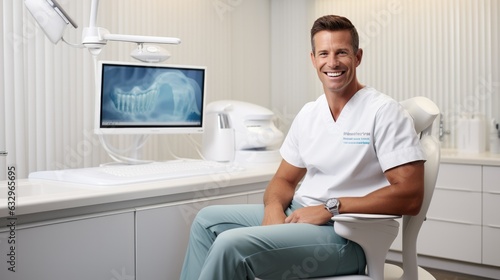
241, 132
218, 138
494, 137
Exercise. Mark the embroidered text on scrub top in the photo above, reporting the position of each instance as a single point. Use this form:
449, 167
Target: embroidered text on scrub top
356, 138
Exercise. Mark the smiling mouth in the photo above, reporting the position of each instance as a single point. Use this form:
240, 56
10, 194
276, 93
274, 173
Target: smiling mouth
334, 74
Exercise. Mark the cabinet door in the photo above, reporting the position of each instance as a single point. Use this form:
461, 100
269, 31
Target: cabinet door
450, 241
491, 179
459, 177
256, 197
163, 234
97, 247
491, 246
456, 206
491, 219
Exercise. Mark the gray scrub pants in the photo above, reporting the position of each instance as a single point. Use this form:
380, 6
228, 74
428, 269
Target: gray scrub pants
227, 242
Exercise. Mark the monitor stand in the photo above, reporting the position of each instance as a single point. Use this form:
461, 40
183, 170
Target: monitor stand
130, 155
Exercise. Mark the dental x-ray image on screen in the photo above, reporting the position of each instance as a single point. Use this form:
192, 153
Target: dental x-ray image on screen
137, 98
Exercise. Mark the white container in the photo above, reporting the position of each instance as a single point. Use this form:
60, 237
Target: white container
471, 134
218, 138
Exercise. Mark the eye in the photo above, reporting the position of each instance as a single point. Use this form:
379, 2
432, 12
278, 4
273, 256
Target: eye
343, 52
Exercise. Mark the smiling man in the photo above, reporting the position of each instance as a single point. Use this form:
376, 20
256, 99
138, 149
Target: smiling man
355, 151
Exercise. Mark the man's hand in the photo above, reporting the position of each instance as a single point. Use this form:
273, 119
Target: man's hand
273, 214
273, 220
316, 215
279, 193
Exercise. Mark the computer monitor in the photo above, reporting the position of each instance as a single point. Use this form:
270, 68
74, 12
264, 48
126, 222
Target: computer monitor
141, 98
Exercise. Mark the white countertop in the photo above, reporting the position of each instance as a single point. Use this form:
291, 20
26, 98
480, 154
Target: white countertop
37, 195
453, 156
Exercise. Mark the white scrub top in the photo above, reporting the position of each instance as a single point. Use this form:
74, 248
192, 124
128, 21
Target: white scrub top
347, 157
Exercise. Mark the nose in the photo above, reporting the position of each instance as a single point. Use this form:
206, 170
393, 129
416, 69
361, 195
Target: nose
333, 61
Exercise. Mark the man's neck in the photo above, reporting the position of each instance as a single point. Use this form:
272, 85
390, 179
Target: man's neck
337, 100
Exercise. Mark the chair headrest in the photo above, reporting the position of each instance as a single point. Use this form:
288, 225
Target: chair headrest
422, 110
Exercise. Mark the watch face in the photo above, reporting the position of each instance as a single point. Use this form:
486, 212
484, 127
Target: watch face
332, 203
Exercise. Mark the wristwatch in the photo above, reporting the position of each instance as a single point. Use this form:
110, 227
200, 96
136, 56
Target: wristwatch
332, 205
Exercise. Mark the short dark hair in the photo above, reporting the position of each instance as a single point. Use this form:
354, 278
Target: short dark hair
335, 23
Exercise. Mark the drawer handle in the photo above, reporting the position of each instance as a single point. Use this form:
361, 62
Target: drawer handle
457, 189
452, 221
492, 192
493, 226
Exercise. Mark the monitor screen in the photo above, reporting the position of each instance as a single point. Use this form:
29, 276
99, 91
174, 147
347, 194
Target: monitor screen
143, 98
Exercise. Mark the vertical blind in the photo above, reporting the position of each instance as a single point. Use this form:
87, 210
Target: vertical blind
47, 91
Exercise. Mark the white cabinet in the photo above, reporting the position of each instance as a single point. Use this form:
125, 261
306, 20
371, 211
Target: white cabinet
256, 197
163, 234
455, 215
91, 247
463, 221
491, 217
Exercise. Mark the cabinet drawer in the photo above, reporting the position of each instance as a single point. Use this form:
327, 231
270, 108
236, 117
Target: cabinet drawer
256, 198
456, 206
491, 246
162, 235
79, 248
491, 204
491, 179
450, 240
459, 177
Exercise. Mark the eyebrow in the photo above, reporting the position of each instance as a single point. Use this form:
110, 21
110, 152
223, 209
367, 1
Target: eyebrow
336, 50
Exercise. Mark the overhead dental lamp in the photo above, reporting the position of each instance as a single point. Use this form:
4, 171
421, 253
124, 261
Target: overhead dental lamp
52, 18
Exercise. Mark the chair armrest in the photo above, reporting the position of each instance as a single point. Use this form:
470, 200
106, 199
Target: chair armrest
373, 232
363, 218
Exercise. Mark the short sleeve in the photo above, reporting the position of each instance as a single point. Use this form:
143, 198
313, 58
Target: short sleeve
396, 141
290, 148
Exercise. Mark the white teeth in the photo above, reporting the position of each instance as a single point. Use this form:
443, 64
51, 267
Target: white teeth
135, 100
336, 74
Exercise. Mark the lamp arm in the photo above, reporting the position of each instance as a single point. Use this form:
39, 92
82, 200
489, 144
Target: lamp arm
95, 38
93, 13
142, 39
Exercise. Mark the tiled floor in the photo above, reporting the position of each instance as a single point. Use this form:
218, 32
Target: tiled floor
446, 275
450, 275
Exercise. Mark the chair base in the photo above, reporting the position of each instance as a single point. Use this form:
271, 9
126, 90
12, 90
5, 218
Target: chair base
391, 272
394, 272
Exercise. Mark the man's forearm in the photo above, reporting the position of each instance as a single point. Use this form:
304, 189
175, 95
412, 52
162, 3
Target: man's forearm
276, 199
277, 194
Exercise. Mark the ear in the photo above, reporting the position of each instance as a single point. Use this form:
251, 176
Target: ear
313, 59
359, 56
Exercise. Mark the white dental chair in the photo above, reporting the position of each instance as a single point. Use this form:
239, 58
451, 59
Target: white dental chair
375, 233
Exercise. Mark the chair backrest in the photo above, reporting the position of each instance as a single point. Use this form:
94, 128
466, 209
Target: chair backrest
424, 112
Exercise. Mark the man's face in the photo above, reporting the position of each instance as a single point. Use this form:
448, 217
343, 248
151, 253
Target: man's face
335, 60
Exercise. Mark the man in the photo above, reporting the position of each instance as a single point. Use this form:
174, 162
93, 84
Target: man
355, 151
